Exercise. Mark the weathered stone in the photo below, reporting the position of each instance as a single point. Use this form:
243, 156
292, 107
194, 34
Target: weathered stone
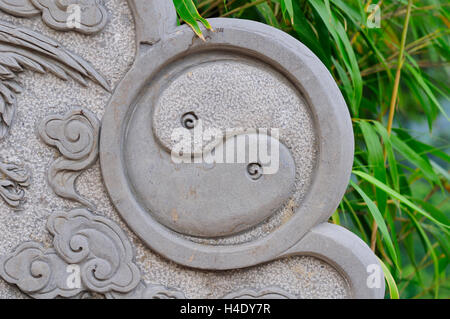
234, 230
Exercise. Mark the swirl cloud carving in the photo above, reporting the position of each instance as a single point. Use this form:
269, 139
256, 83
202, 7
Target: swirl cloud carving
84, 16
75, 135
91, 243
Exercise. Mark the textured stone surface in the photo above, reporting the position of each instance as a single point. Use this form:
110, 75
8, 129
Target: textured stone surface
112, 53
234, 93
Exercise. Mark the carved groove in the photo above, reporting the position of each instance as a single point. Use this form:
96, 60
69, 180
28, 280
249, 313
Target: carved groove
149, 291
12, 181
265, 293
84, 16
95, 244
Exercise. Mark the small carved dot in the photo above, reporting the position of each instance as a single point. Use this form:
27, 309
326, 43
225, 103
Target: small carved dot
255, 171
189, 120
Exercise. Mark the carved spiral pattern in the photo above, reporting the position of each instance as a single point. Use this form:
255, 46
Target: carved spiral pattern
75, 135
149, 291
92, 18
37, 271
96, 245
12, 179
265, 293
99, 246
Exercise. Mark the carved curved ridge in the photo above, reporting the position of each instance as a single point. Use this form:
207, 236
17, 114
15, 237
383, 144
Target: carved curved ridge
348, 254
12, 181
22, 49
37, 271
149, 291
76, 136
265, 293
94, 245
84, 16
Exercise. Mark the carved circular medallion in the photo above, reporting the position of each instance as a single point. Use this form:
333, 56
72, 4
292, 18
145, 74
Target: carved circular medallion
207, 199
200, 208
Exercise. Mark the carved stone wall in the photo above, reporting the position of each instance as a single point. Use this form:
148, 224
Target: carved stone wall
55, 210
110, 52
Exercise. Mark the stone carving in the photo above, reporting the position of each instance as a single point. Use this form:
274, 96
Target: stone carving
149, 291
182, 209
265, 293
84, 16
136, 147
21, 49
75, 135
12, 180
160, 92
37, 271
94, 244
20, 8
99, 246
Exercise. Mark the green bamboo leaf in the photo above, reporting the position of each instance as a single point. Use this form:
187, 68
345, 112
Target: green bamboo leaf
287, 7
376, 161
410, 251
267, 13
355, 219
398, 196
434, 211
337, 31
411, 155
443, 240
393, 289
440, 170
419, 80
429, 248
359, 20
307, 35
422, 148
188, 13
379, 220
393, 169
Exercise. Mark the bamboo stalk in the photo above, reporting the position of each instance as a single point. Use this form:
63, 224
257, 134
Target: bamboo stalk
401, 60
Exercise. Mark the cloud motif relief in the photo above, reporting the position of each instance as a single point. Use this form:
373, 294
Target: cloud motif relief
75, 135
12, 181
94, 243
37, 271
84, 16
21, 8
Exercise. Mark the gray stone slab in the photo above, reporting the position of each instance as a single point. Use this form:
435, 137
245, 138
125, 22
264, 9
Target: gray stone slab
151, 227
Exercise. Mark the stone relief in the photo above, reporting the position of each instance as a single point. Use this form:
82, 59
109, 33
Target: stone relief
37, 271
22, 49
21, 8
93, 243
75, 135
84, 16
129, 162
148, 291
12, 181
265, 293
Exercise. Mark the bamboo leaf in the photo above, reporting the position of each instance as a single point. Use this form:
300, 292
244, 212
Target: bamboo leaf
398, 196
379, 220
189, 14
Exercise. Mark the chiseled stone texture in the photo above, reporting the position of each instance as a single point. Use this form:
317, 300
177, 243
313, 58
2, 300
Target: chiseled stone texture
112, 53
237, 94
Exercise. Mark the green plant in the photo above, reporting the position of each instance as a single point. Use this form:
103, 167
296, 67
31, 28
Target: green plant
391, 76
